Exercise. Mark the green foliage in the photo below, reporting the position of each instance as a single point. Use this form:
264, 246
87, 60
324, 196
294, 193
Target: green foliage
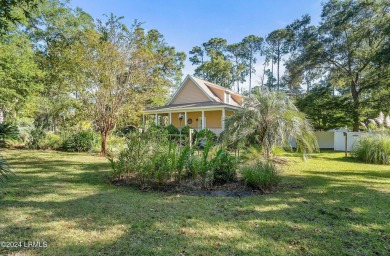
225, 64
53, 30
80, 141
342, 209
381, 123
223, 167
347, 49
172, 129
252, 45
271, 119
212, 61
126, 130
152, 158
14, 12
115, 144
372, 148
279, 42
186, 131
8, 131
5, 171
37, 134
50, 141
112, 95
19, 74
207, 134
326, 111
262, 175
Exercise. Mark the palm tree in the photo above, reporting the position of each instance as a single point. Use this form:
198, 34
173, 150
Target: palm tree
272, 119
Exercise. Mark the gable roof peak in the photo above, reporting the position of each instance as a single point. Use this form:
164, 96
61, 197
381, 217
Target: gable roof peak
213, 85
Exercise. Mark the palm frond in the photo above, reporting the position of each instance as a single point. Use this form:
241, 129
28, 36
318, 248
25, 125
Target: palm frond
272, 119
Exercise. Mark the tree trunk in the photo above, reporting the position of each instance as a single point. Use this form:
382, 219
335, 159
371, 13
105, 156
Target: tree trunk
250, 75
278, 56
263, 77
356, 106
1, 115
104, 135
272, 72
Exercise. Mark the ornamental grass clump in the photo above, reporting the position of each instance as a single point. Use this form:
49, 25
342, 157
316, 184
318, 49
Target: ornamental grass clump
372, 148
261, 174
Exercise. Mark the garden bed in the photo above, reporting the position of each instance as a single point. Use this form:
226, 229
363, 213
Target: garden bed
232, 189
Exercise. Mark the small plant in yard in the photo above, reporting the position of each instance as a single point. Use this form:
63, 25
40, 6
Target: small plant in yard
207, 134
37, 134
263, 175
372, 148
223, 167
152, 158
381, 123
5, 171
8, 131
171, 129
50, 141
80, 141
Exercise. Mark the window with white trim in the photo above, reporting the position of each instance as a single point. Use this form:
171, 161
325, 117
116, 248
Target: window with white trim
227, 97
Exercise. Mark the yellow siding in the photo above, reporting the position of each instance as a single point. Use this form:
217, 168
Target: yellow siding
190, 93
190, 115
213, 119
228, 113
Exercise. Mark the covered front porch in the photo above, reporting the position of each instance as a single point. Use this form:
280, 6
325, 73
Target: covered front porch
212, 118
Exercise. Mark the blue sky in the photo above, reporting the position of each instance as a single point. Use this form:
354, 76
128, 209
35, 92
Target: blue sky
185, 24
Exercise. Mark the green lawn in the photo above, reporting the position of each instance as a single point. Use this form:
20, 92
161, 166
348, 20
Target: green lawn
328, 205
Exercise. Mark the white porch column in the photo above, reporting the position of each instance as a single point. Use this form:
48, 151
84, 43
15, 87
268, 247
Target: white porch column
223, 119
185, 118
203, 121
156, 119
170, 118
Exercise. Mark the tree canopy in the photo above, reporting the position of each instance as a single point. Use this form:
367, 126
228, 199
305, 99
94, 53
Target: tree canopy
346, 48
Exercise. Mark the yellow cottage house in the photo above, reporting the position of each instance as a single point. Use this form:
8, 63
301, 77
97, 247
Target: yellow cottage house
201, 105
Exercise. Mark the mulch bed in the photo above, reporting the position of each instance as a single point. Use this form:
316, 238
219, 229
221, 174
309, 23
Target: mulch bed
233, 189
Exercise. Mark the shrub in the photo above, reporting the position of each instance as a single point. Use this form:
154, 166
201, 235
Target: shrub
172, 129
36, 136
79, 141
115, 144
50, 141
151, 158
126, 130
133, 159
186, 131
207, 134
223, 167
261, 175
372, 148
8, 132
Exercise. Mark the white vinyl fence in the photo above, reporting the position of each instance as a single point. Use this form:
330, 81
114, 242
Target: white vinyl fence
335, 139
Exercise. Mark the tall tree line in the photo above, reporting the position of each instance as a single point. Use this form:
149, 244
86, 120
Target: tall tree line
347, 54
59, 67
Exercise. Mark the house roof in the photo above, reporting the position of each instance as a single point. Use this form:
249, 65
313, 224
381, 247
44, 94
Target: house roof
190, 106
209, 89
212, 85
